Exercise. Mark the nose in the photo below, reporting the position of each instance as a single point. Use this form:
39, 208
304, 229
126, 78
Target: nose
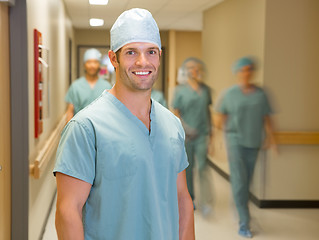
141, 60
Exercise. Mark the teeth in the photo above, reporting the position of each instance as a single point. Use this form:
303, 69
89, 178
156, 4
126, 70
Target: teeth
142, 73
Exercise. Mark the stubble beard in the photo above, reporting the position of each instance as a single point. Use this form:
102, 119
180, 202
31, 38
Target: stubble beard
144, 85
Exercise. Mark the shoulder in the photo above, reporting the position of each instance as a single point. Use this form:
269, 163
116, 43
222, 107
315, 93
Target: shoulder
181, 87
105, 82
229, 92
166, 116
99, 107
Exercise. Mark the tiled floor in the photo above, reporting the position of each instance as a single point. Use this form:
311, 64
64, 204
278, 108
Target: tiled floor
267, 224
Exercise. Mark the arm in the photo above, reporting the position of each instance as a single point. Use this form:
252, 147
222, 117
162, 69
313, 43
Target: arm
185, 207
69, 112
219, 120
270, 141
71, 197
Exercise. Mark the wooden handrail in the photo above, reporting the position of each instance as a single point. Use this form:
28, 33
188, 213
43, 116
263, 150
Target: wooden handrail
46, 153
297, 138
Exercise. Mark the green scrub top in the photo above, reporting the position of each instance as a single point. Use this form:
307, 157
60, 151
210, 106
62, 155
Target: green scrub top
80, 93
193, 107
133, 171
245, 116
159, 97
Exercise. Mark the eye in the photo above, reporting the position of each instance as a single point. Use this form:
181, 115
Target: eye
130, 52
153, 52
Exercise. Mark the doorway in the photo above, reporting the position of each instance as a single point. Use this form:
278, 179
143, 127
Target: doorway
5, 138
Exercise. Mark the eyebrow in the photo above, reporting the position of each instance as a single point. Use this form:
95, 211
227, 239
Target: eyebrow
150, 48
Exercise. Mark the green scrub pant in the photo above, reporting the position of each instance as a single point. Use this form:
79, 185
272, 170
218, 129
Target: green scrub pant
196, 150
242, 162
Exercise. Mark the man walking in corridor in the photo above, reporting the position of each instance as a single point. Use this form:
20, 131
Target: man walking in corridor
86, 89
121, 162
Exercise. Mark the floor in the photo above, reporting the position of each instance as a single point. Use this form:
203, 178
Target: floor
267, 224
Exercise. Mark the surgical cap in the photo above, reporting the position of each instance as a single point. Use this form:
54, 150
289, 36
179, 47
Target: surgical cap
242, 62
93, 54
134, 25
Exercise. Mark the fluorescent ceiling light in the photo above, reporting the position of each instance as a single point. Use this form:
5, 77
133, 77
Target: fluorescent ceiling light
98, 2
95, 22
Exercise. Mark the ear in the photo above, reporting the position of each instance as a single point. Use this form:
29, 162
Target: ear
113, 59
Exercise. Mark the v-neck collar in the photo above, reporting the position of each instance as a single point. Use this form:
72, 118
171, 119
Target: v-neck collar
132, 117
94, 87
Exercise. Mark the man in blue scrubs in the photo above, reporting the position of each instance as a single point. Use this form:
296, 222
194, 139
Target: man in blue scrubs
192, 101
244, 113
86, 89
121, 161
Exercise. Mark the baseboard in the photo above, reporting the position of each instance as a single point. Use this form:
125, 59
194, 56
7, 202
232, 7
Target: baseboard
270, 203
47, 216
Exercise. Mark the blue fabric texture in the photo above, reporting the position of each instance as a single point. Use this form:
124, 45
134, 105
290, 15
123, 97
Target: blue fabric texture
133, 171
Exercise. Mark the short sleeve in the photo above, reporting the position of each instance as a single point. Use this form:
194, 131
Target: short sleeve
267, 106
183, 161
177, 99
76, 152
183, 164
69, 97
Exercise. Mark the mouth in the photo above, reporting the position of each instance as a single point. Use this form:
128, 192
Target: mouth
142, 73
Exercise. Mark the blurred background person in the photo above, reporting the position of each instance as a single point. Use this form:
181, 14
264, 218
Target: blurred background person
159, 97
87, 88
244, 113
191, 103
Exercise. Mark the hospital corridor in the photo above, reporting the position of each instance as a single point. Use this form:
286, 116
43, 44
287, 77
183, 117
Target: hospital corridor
159, 119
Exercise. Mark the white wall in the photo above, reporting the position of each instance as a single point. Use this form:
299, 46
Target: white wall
50, 18
291, 71
284, 36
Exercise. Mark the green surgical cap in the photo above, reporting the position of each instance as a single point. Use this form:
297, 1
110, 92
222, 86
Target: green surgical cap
242, 62
92, 54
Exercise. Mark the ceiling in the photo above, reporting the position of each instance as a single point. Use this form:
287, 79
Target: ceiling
169, 14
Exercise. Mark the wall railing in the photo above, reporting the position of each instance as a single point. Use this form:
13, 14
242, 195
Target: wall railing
46, 154
297, 138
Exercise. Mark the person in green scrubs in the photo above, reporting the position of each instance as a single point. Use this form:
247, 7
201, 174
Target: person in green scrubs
86, 89
159, 97
244, 113
191, 103
120, 164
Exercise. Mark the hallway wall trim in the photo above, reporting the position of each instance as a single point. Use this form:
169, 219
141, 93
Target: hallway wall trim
270, 203
19, 121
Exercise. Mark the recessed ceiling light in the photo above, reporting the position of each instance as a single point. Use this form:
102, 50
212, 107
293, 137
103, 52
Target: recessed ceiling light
98, 2
95, 22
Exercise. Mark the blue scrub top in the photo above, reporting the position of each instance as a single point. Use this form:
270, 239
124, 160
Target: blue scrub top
133, 172
193, 106
245, 116
80, 93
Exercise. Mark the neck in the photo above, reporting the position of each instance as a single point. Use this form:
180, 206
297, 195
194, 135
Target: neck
138, 102
194, 84
91, 78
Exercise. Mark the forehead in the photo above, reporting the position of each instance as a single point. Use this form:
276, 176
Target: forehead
191, 64
140, 46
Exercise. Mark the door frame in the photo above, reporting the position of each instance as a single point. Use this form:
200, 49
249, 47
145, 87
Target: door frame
19, 120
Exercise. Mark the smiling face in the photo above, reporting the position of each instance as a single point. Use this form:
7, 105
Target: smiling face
137, 65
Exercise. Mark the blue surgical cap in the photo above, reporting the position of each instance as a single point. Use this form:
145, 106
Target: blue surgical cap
92, 54
134, 25
242, 62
